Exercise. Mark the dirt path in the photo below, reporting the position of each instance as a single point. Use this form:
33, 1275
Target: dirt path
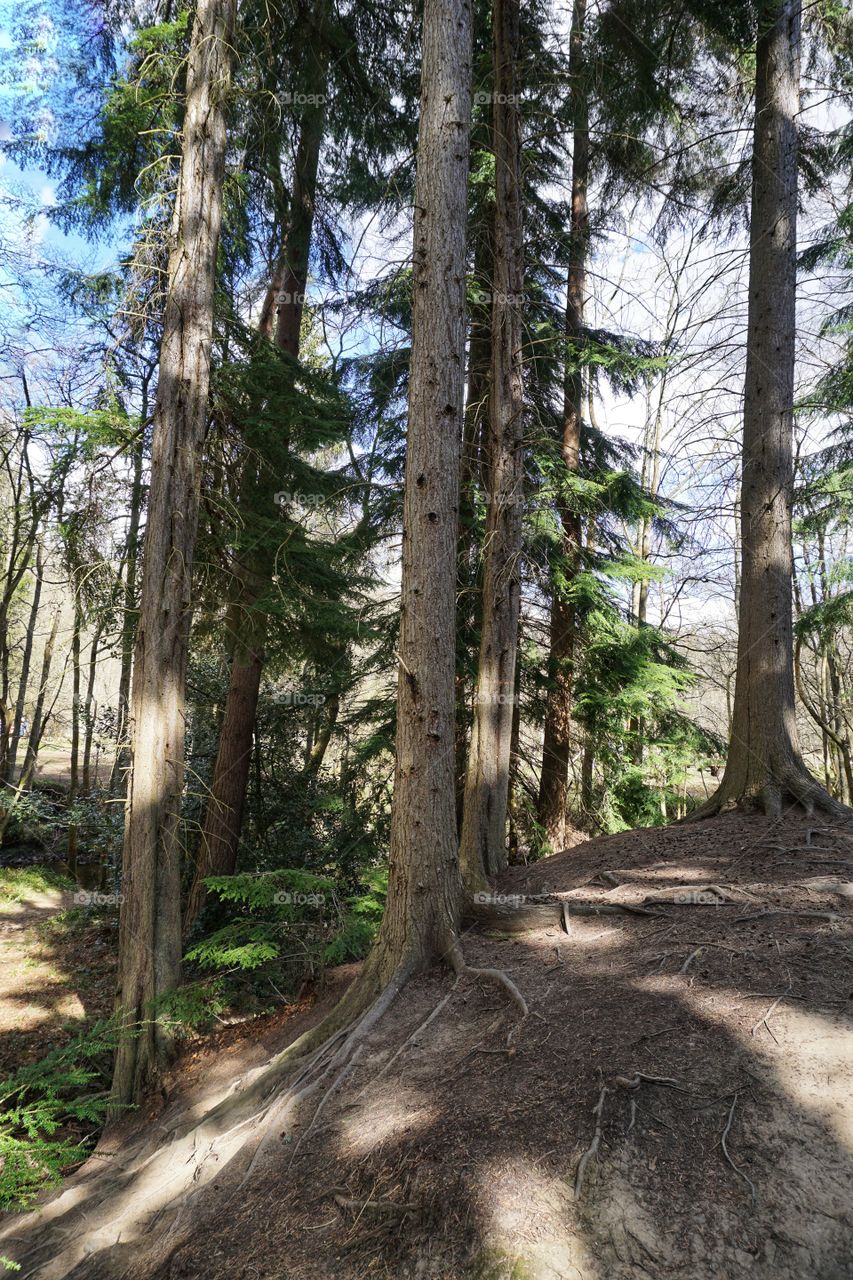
52, 979
677, 1103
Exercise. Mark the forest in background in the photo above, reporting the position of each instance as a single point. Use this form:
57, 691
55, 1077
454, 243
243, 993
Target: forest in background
209, 379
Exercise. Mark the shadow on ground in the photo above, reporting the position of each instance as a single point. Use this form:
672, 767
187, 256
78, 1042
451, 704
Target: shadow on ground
705, 1045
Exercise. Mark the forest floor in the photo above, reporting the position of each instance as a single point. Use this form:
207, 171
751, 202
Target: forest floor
57, 967
677, 1103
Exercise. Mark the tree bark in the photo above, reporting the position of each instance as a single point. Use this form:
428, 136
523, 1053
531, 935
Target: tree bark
424, 888
476, 412
482, 849
765, 766
281, 318
74, 771
557, 738
149, 930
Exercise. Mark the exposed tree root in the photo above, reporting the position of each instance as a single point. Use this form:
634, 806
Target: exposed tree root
632, 1082
412, 1037
592, 1149
461, 967
157, 1187
740, 1173
519, 917
831, 916
789, 782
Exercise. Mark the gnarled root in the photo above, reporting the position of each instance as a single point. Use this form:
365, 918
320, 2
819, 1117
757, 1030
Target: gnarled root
788, 782
155, 1185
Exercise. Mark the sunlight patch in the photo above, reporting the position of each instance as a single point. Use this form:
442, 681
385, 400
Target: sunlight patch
396, 1113
526, 1219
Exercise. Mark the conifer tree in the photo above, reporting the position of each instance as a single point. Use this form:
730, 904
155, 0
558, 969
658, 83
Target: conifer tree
149, 937
764, 763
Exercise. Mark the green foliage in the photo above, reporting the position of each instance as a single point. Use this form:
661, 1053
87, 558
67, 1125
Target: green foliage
49, 1110
17, 883
86, 430
280, 917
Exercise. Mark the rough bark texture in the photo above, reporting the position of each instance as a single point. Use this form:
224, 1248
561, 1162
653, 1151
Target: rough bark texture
281, 319
483, 844
557, 741
149, 933
764, 763
424, 885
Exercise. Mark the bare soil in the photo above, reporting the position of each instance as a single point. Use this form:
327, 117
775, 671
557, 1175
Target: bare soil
706, 1045
54, 978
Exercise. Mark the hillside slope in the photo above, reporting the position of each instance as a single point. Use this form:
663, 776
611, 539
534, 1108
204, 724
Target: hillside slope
677, 1103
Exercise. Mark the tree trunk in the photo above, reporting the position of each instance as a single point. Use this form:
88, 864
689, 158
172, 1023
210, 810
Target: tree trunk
476, 410
557, 738
281, 317
39, 720
483, 844
74, 772
424, 888
118, 780
26, 661
764, 763
149, 931
90, 708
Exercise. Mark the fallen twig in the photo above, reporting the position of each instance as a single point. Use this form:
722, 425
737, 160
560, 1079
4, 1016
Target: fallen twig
762, 1021
693, 956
